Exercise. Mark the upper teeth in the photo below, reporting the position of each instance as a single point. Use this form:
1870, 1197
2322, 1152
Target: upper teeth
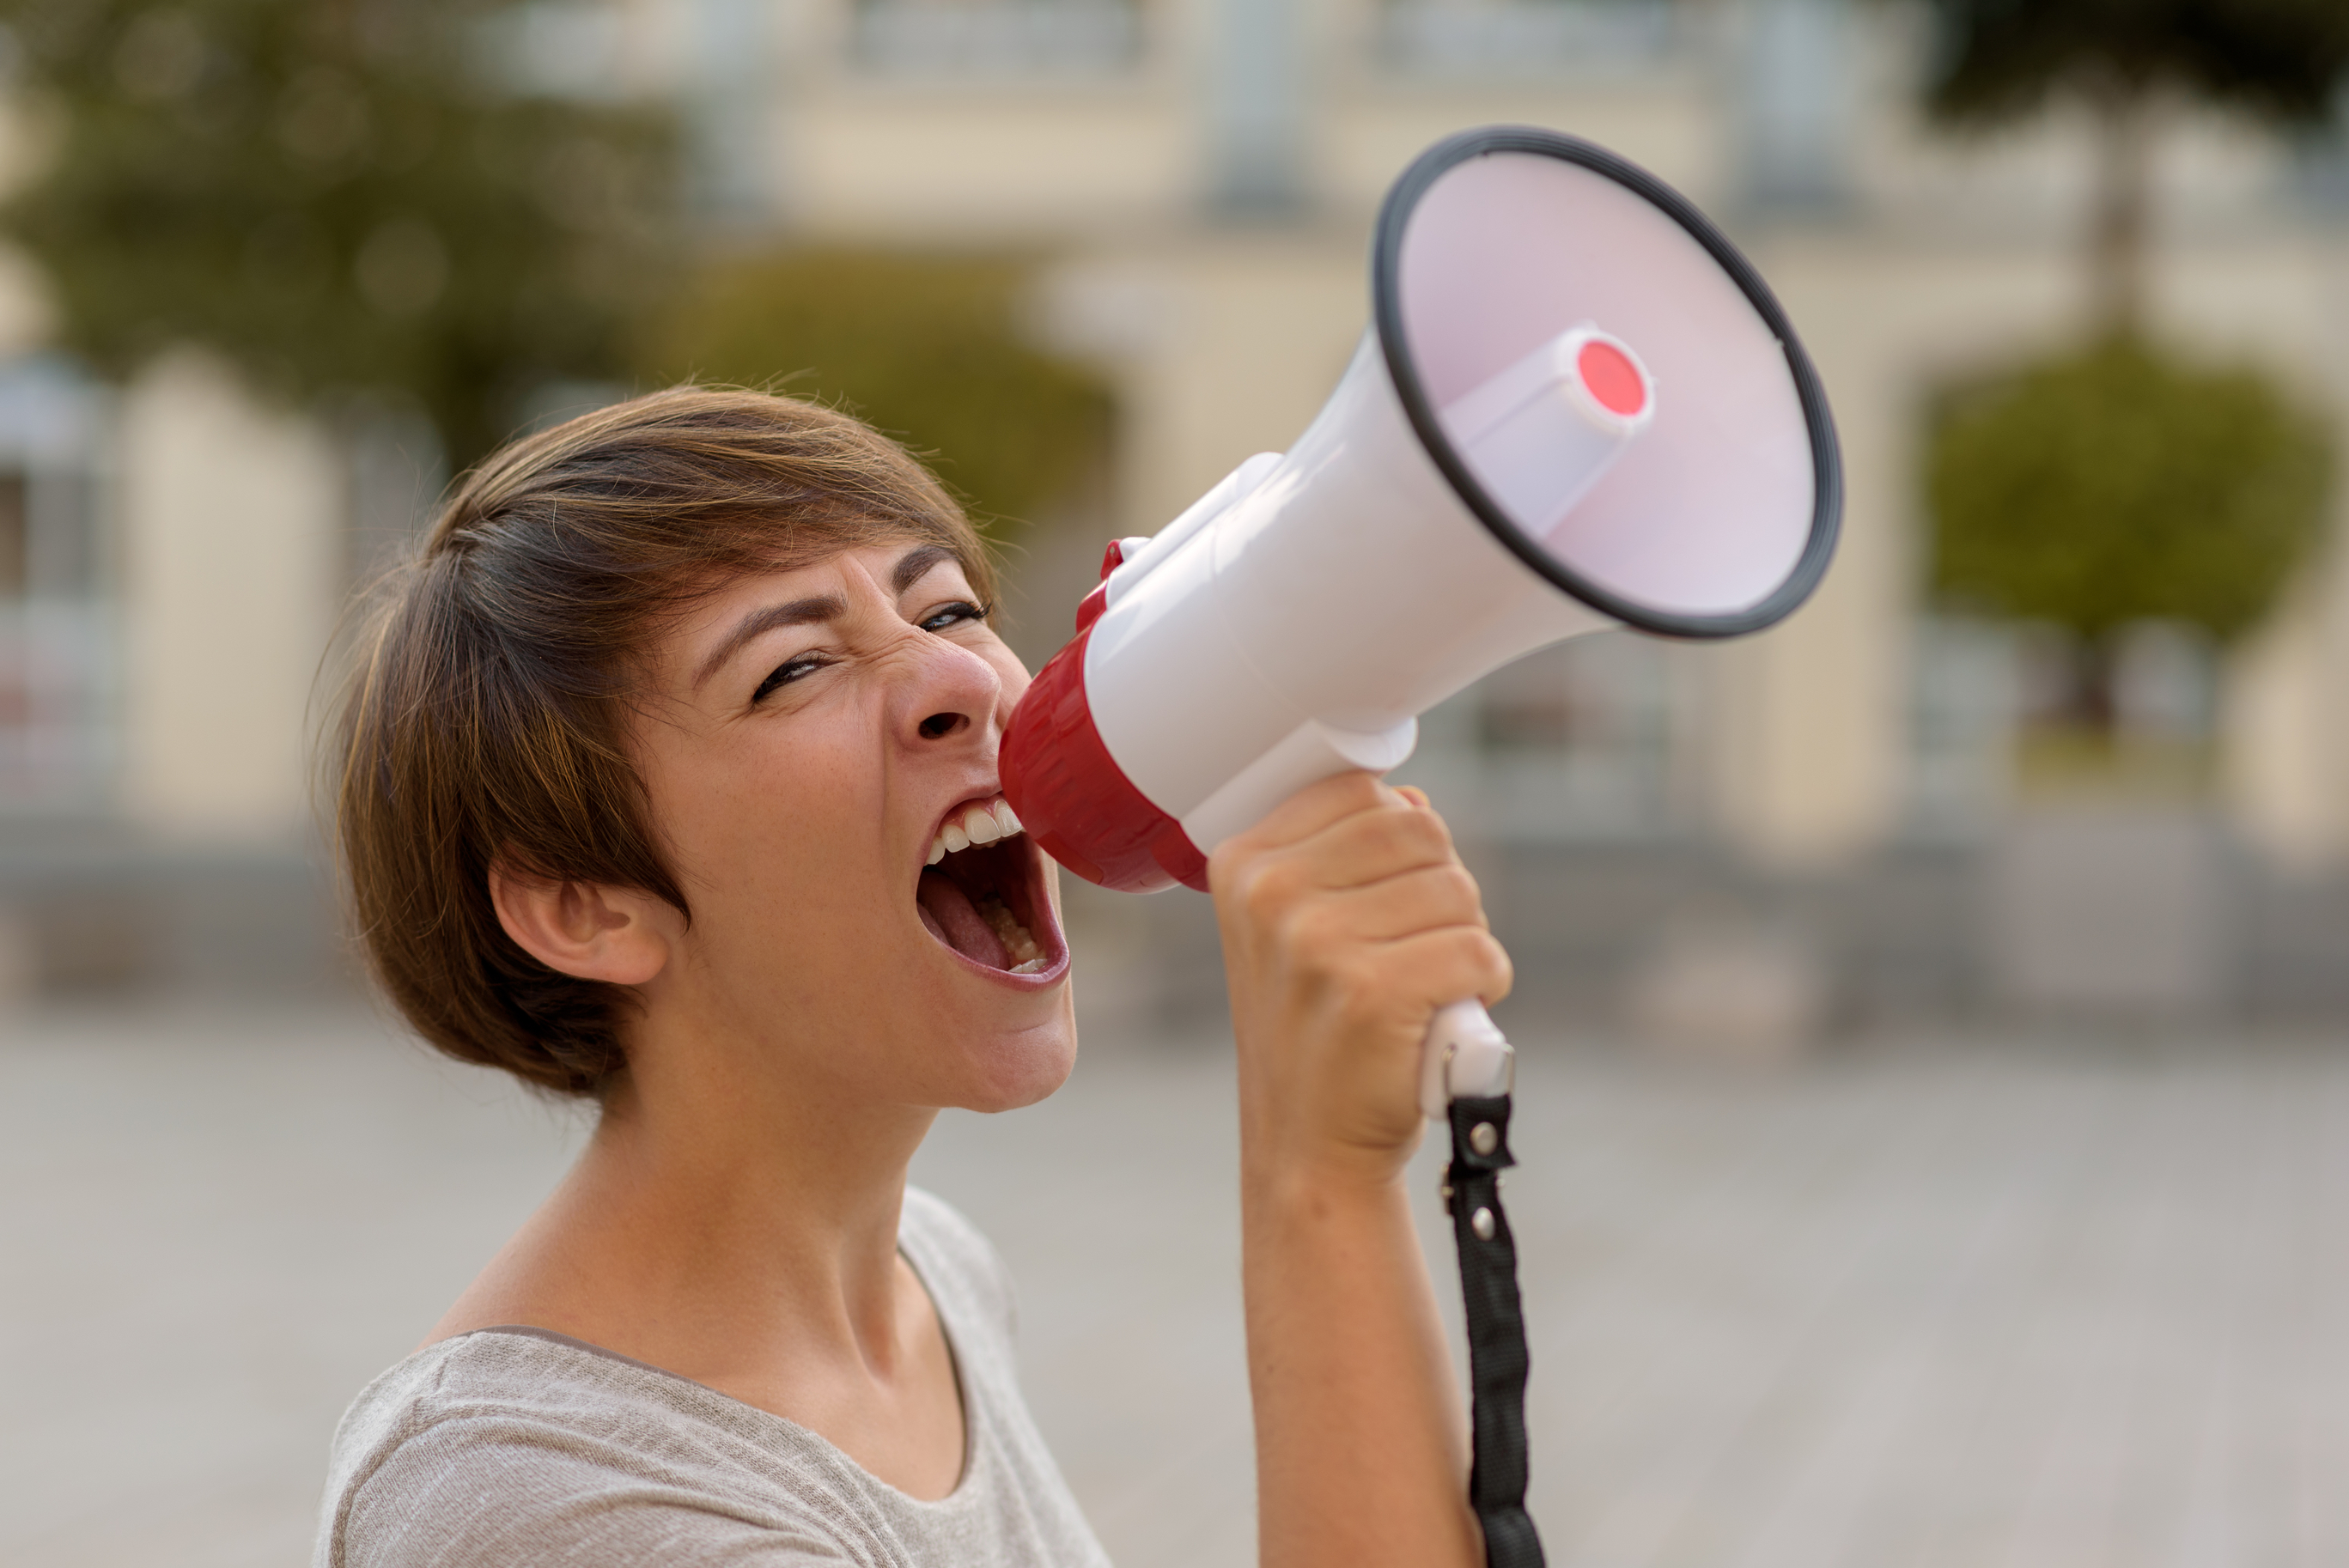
976, 825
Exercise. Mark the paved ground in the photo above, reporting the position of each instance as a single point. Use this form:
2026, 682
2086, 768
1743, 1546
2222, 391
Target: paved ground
1956, 1304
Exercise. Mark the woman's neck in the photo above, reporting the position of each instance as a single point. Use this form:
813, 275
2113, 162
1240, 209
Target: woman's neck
745, 1238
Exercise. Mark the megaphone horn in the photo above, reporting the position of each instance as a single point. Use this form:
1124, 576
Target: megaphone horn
1578, 405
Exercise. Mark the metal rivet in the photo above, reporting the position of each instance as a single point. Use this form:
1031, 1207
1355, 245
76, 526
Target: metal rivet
1481, 1221
1484, 1138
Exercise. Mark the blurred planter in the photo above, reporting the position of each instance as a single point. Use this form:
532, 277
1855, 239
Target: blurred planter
1719, 986
2115, 912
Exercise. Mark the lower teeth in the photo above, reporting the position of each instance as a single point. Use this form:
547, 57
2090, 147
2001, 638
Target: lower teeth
1019, 943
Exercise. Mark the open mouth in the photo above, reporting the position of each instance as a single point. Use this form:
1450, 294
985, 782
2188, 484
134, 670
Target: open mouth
982, 893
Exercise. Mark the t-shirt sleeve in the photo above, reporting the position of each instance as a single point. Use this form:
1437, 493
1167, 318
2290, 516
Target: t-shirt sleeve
497, 1493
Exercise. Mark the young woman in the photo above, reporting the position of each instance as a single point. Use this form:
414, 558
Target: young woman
668, 779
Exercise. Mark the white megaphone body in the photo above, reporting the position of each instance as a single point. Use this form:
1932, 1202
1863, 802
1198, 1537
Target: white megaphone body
1578, 407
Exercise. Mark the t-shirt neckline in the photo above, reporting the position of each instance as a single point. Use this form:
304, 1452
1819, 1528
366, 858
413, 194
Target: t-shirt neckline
946, 1331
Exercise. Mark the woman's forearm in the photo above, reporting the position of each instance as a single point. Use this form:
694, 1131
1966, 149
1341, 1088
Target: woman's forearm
1362, 1457
1347, 920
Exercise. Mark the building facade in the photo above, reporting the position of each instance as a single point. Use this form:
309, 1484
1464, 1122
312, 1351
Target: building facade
1195, 180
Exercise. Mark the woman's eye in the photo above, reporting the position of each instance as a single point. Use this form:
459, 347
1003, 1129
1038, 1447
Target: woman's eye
784, 675
947, 615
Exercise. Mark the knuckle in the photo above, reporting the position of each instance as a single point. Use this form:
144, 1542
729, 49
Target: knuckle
1500, 972
1410, 833
1424, 831
1306, 930
1441, 896
1430, 829
1268, 889
1460, 888
1367, 990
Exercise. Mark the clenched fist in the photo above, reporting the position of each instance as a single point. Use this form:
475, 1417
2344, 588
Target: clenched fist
1347, 920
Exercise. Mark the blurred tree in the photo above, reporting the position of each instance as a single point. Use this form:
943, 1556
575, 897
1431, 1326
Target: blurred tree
2119, 484
2281, 60
926, 348
336, 195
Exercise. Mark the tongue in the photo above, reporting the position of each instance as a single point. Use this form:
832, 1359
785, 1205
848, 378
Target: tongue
947, 911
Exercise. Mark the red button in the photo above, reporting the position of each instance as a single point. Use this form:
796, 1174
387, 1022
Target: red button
1611, 376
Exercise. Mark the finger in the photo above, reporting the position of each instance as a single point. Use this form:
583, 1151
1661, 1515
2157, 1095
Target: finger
1430, 898
1415, 795
1360, 850
1372, 845
1450, 966
1314, 807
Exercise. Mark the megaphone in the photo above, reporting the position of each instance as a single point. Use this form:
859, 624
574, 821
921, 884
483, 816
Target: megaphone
1577, 406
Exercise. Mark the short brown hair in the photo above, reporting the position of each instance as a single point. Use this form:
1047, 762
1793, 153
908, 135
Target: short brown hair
486, 715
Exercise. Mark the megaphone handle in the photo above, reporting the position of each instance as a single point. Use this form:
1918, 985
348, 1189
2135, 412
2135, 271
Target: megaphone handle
1465, 1054
1468, 1071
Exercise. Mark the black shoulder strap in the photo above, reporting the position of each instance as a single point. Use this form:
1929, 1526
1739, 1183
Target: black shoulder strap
1497, 1329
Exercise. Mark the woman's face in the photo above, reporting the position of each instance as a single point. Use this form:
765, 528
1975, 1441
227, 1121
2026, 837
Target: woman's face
820, 758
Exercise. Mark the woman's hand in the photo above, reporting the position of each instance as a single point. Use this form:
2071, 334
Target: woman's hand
1347, 920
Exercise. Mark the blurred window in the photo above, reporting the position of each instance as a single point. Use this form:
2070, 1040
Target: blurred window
997, 37
1969, 687
56, 643
1527, 37
1576, 742
1797, 103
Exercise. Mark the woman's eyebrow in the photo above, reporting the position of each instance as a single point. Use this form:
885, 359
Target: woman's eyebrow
758, 623
917, 564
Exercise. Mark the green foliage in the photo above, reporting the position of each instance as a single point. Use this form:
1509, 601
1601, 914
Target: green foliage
926, 348
336, 195
2118, 485
2001, 59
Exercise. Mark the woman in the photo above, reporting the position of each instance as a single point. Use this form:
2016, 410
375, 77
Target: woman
669, 781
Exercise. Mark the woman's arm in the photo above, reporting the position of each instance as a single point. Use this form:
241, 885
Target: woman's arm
1347, 920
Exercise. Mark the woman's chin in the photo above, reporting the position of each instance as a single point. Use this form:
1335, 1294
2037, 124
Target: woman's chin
1020, 1068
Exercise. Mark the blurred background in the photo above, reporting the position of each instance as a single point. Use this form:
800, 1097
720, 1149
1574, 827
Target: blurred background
1940, 997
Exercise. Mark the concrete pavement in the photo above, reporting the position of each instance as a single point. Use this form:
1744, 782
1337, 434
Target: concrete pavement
1950, 1303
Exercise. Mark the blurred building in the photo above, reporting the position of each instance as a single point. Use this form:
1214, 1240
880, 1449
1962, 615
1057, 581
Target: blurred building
1742, 841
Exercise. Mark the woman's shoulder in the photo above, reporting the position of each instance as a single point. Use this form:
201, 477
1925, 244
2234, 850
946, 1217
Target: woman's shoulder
964, 1274
506, 1446
514, 1445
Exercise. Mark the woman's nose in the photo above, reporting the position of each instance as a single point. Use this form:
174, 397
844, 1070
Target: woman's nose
954, 694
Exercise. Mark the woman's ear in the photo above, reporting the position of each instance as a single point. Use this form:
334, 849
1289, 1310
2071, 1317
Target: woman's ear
586, 930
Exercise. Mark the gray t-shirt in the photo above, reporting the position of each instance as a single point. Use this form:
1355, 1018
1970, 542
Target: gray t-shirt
515, 1448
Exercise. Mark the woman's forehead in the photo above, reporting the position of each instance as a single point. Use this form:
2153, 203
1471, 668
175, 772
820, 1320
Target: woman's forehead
895, 566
